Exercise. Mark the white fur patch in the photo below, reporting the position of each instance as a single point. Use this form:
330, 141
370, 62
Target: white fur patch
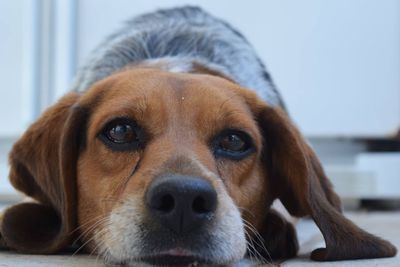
123, 239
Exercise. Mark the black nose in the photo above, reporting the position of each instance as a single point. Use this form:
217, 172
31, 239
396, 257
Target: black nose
181, 203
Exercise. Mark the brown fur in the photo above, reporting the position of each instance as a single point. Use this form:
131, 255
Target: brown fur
75, 179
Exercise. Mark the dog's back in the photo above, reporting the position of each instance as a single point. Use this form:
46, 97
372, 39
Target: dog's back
181, 37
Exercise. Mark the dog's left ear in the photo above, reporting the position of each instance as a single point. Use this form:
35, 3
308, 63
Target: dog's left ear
43, 166
298, 180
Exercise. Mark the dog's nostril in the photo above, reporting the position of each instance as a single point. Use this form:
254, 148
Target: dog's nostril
166, 204
200, 205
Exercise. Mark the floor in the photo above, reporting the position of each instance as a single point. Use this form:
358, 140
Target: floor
386, 225
383, 224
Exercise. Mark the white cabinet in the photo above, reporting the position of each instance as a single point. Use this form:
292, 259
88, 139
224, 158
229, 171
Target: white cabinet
17, 65
7, 192
337, 63
18, 76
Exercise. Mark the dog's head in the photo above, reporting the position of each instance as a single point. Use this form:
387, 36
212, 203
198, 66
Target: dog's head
169, 168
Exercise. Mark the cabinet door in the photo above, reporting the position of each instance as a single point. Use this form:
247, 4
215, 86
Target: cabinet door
335, 62
17, 68
18, 74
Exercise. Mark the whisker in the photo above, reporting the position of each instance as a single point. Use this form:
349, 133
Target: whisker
100, 249
91, 228
259, 241
250, 252
99, 234
100, 220
253, 251
258, 256
87, 241
247, 211
84, 224
260, 244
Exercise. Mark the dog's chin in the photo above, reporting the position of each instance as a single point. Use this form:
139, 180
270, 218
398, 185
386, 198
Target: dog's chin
130, 238
172, 258
167, 261
173, 261
178, 257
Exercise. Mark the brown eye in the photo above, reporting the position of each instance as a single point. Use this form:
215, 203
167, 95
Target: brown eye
233, 144
122, 134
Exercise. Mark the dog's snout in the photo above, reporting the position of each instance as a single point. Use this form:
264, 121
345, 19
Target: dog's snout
181, 203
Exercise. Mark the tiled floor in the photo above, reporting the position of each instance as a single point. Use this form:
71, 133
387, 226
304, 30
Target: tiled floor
386, 225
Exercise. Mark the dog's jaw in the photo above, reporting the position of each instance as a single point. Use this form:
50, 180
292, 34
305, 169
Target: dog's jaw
123, 235
119, 238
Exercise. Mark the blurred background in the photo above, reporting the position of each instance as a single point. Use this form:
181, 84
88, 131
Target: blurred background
336, 63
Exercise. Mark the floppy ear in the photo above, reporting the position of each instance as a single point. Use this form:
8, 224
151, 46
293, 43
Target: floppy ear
298, 180
43, 166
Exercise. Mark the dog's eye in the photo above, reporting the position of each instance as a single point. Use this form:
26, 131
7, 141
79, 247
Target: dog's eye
233, 144
121, 134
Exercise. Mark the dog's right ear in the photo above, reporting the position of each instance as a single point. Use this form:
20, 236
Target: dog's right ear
296, 177
298, 180
43, 166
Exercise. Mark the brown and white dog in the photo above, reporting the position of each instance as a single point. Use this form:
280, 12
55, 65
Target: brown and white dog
170, 151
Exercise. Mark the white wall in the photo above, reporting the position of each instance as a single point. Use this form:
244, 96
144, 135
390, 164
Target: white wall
16, 66
18, 76
336, 62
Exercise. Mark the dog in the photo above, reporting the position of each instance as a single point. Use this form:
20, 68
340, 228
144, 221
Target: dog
170, 150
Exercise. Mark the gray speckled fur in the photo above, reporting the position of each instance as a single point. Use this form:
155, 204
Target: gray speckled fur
186, 34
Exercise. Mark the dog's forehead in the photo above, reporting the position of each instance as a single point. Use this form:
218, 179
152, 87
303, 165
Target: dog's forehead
163, 97
162, 84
